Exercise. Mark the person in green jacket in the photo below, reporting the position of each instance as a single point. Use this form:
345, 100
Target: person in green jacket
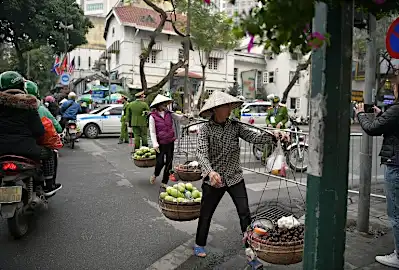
236, 113
277, 116
124, 138
33, 90
136, 117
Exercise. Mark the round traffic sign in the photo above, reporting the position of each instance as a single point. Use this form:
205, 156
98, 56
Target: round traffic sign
65, 78
392, 39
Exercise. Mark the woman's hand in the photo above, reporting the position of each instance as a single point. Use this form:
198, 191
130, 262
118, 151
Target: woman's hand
359, 108
377, 110
215, 179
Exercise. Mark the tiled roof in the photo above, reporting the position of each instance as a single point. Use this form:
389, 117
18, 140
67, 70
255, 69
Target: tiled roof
146, 17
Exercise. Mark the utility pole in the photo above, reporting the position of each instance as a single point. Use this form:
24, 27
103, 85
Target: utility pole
366, 152
327, 185
187, 94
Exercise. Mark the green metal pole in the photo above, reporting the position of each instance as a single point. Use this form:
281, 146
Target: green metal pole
326, 196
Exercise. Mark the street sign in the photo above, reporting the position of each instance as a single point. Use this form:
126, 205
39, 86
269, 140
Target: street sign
392, 39
65, 78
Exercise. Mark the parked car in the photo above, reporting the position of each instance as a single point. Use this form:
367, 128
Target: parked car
104, 120
254, 113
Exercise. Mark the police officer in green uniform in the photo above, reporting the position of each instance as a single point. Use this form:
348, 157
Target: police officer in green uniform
236, 113
277, 116
136, 116
124, 138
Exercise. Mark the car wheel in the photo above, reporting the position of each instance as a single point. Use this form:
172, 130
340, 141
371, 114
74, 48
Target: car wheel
91, 131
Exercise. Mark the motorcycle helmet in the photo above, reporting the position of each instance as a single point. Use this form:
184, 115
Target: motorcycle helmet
49, 99
276, 100
10, 80
72, 95
32, 88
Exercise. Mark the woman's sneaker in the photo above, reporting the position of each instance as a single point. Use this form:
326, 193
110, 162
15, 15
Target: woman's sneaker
391, 260
51, 190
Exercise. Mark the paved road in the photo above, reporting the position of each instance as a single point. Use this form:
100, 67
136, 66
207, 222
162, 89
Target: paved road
107, 217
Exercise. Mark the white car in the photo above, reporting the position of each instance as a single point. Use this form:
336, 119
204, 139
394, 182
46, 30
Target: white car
104, 120
254, 113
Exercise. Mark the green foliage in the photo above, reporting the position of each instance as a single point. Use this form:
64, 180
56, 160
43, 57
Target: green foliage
29, 24
280, 24
41, 61
209, 30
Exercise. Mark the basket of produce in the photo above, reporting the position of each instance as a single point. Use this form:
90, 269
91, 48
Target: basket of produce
280, 243
188, 172
182, 202
144, 157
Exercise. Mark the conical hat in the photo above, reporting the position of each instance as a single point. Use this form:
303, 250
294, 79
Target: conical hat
217, 99
160, 99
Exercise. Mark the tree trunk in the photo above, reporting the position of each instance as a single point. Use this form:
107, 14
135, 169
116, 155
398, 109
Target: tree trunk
202, 93
21, 60
297, 74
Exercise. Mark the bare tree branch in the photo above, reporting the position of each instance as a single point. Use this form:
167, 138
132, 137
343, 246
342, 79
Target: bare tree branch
146, 53
299, 68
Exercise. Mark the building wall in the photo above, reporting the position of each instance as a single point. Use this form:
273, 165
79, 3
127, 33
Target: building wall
127, 61
281, 65
97, 7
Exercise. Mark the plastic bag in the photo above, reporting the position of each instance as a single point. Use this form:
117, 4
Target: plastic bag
50, 139
275, 163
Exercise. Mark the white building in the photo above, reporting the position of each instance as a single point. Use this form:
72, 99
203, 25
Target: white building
97, 7
240, 6
127, 33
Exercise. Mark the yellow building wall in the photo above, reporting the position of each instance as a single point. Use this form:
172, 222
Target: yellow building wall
95, 36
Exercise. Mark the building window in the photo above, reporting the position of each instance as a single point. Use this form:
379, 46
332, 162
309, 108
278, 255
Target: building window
117, 58
295, 103
79, 61
268, 77
235, 74
213, 63
152, 58
181, 54
93, 7
292, 74
295, 56
113, 31
259, 79
89, 61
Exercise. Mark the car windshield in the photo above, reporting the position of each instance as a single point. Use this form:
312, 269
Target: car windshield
98, 110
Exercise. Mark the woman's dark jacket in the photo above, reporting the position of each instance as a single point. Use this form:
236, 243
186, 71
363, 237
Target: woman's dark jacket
386, 124
20, 126
54, 109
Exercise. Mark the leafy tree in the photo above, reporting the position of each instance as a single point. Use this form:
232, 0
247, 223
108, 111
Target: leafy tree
210, 31
40, 61
29, 24
286, 24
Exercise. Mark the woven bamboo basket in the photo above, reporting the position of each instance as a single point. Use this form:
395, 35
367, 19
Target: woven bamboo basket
187, 175
180, 211
283, 253
145, 163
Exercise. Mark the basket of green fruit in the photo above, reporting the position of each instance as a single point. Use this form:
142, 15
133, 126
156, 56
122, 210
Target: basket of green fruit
281, 244
189, 172
182, 202
144, 157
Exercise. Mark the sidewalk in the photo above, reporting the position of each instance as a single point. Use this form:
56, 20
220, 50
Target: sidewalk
360, 249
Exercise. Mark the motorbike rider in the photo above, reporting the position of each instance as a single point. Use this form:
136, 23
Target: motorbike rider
52, 105
33, 90
21, 127
69, 109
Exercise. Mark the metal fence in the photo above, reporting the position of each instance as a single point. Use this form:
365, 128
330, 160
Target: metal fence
254, 157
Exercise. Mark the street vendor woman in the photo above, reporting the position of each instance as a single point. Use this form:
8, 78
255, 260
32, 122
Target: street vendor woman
136, 117
218, 153
124, 137
163, 126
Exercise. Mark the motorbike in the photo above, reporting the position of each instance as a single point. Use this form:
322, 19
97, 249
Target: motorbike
70, 133
295, 149
21, 192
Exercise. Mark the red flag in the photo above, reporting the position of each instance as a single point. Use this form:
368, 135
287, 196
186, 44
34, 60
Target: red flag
64, 65
56, 66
